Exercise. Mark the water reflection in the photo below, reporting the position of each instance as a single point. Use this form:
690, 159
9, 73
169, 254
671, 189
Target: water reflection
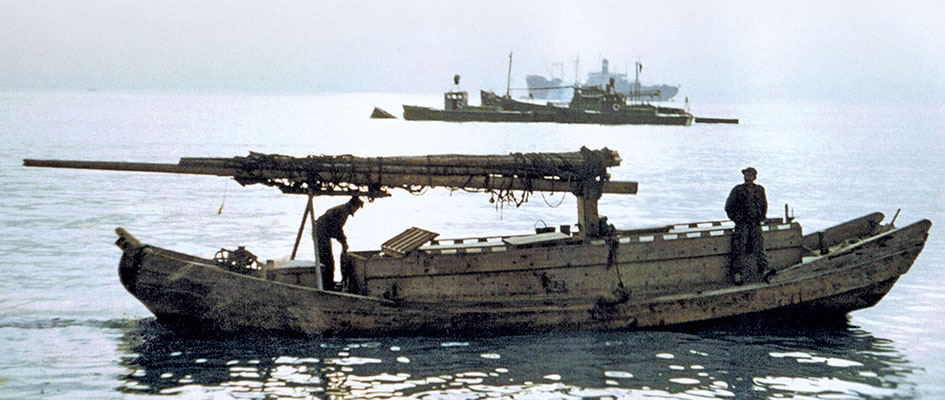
812, 362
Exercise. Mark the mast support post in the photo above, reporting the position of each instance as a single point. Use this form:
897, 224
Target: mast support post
588, 215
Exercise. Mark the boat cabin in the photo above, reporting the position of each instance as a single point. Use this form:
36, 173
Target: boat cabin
455, 100
593, 98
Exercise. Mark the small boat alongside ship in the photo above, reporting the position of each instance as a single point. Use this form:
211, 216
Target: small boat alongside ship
592, 277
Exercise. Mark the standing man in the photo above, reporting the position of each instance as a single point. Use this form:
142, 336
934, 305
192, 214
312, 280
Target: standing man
747, 207
331, 225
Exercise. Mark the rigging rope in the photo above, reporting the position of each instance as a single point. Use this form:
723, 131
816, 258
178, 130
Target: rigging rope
612, 258
563, 195
225, 184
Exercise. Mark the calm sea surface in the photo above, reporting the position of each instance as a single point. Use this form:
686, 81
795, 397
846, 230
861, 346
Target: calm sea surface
69, 330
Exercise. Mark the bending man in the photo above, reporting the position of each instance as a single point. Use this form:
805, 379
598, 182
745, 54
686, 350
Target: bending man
747, 207
331, 226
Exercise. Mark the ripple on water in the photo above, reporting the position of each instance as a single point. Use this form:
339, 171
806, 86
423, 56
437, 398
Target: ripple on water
807, 358
618, 374
822, 386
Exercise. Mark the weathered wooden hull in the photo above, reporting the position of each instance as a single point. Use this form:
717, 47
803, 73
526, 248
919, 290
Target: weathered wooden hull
850, 277
564, 116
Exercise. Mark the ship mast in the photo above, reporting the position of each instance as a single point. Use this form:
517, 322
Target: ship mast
508, 82
577, 64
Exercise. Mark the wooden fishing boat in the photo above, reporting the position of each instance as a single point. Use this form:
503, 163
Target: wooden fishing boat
595, 277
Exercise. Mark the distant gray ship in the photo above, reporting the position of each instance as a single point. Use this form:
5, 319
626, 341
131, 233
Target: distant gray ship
540, 87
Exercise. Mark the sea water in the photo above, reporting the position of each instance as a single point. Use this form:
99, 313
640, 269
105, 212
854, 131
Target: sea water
69, 330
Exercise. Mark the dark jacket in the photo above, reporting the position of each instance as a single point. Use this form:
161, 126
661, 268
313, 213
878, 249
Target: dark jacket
331, 223
747, 204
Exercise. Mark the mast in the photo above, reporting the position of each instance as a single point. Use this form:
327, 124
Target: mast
508, 82
577, 63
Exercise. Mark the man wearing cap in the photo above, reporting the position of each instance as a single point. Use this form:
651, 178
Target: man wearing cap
747, 207
331, 225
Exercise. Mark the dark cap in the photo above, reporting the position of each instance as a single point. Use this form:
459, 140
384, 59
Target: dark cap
750, 170
355, 202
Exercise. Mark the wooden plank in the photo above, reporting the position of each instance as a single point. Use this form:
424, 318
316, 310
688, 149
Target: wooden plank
852, 229
540, 238
407, 241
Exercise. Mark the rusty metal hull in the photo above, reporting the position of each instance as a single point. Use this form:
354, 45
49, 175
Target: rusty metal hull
175, 286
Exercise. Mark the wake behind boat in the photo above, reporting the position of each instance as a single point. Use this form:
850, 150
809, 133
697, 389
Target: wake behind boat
594, 277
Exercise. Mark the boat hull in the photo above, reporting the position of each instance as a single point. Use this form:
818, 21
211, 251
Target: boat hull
563, 116
176, 287
414, 113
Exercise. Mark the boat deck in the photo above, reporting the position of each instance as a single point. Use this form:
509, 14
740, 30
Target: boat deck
667, 232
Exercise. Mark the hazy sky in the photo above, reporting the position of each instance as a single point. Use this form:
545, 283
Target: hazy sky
751, 50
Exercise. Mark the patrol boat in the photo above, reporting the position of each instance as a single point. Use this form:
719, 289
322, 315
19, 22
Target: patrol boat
593, 277
589, 105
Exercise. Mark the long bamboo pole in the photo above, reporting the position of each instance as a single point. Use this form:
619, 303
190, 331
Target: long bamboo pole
356, 177
549, 163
